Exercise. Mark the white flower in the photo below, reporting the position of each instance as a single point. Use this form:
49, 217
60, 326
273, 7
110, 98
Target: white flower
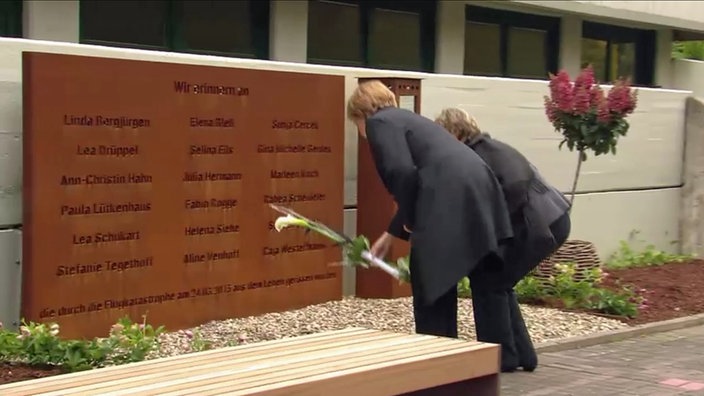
288, 221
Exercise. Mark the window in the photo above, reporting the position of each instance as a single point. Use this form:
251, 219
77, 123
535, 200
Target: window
380, 34
484, 39
219, 27
11, 18
510, 44
333, 33
616, 52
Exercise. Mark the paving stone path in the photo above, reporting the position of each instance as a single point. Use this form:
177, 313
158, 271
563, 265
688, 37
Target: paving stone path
661, 364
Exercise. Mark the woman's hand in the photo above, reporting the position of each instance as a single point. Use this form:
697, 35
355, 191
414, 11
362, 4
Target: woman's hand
381, 247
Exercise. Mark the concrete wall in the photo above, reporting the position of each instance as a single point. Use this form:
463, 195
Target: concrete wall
689, 74
10, 277
692, 221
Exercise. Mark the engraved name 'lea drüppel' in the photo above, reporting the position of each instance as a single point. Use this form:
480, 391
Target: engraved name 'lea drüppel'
108, 151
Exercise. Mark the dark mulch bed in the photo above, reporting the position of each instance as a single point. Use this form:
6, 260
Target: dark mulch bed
672, 290
10, 372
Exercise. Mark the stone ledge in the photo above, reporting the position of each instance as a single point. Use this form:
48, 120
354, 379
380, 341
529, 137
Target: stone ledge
619, 335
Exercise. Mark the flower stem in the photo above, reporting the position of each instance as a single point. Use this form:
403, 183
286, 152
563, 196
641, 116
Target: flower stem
576, 178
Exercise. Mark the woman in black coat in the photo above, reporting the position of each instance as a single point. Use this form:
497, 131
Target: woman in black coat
541, 224
450, 205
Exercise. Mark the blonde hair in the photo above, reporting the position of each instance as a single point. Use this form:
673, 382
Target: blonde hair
368, 98
462, 125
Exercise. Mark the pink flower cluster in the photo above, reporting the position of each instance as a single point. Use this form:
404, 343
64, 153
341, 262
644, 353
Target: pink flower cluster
585, 97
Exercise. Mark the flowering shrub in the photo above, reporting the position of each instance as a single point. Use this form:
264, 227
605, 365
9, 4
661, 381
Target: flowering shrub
585, 293
131, 342
587, 117
39, 344
573, 294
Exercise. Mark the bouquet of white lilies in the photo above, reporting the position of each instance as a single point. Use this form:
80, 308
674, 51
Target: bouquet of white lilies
355, 251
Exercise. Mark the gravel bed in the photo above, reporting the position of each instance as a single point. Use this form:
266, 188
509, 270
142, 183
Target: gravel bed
394, 315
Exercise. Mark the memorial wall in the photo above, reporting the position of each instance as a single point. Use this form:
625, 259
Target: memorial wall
147, 184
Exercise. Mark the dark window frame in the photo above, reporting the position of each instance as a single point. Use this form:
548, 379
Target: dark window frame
509, 19
12, 13
426, 9
174, 42
645, 44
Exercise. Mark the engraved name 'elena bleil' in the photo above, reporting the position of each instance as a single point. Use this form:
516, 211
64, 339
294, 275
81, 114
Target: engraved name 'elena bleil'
210, 176
224, 204
104, 208
191, 258
218, 122
107, 265
295, 148
117, 122
126, 178
108, 151
222, 149
105, 237
294, 125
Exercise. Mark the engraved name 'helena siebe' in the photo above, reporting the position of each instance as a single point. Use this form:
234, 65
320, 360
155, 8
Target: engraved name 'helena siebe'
127, 178
295, 124
210, 176
211, 150
297, 174
108, 151
118, 122
293, 148
212, 230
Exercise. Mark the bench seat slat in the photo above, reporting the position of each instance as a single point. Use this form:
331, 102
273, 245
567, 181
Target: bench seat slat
284, 343
370, 362
289, 377
392, 378
233, 364
189, 360
303, 368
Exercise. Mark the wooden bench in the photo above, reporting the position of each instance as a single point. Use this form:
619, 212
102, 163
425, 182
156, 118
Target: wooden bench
350, 362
